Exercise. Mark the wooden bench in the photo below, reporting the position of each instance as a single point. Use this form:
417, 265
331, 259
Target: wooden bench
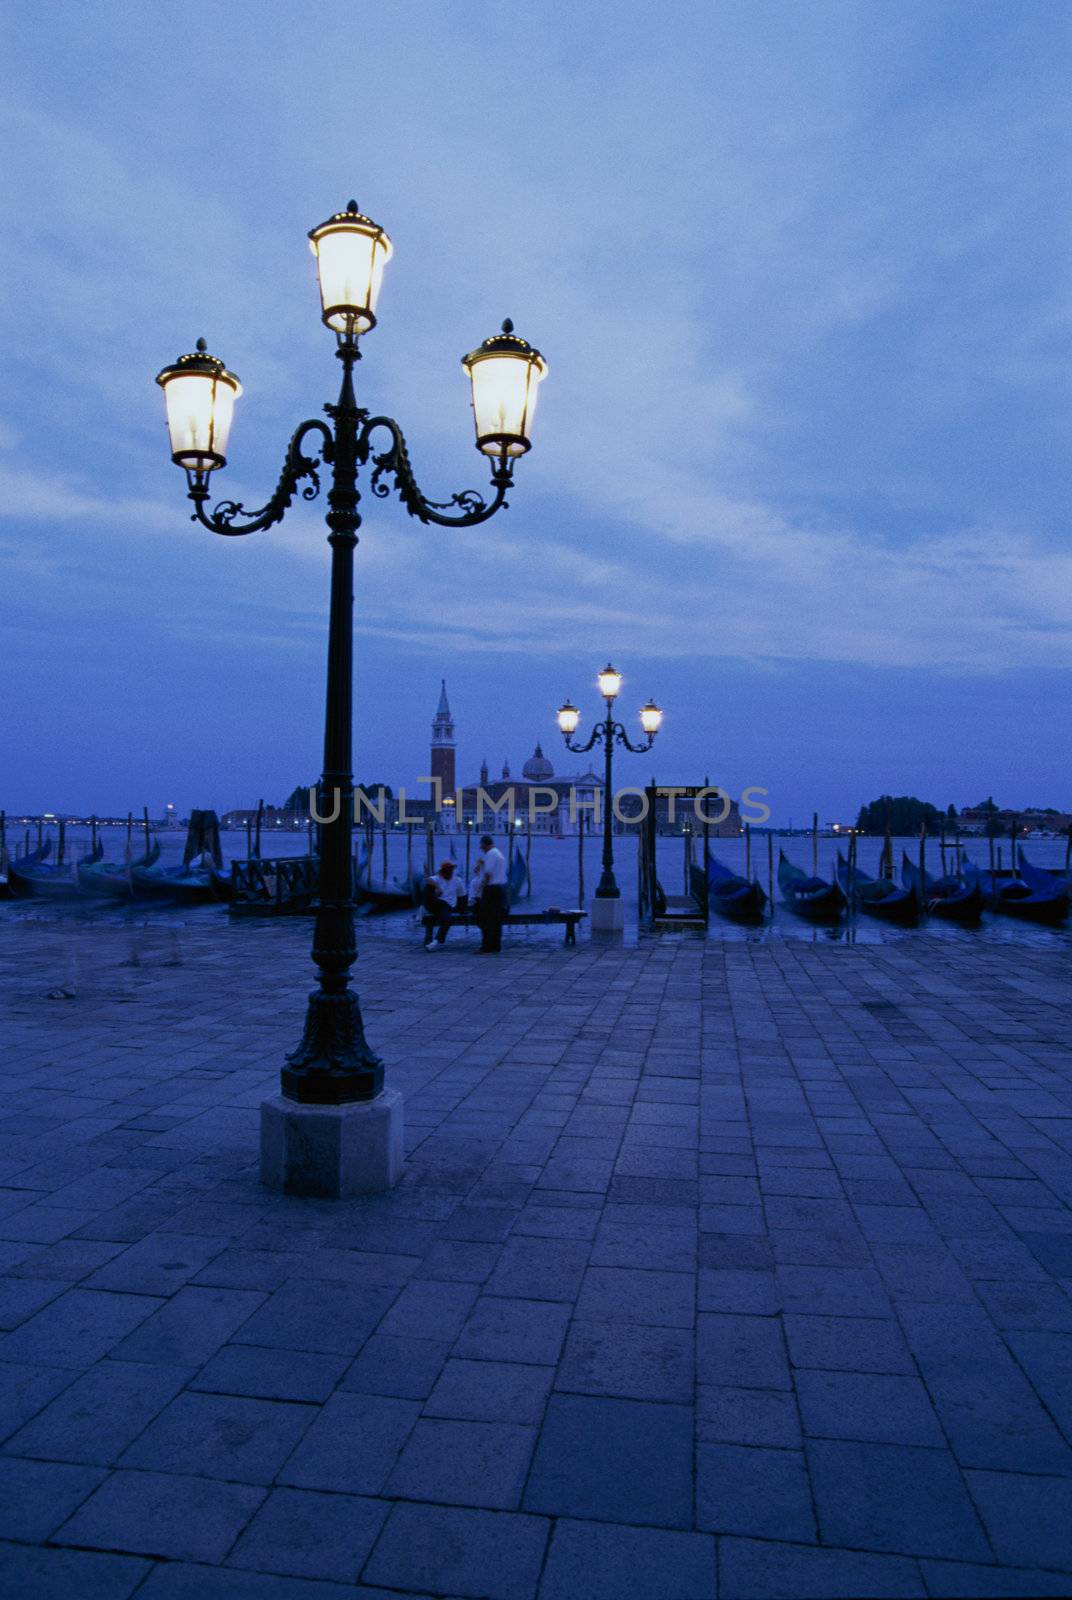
519, 919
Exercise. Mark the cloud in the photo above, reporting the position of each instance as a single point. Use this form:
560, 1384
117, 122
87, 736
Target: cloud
778, 267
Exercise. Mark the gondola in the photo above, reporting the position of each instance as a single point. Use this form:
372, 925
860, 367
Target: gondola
1042, 877
32, 858
223, 884
46, 880
377, 896
878, 897
812, 898
948, 897
190, 884
733, 896
383, 897
1013, 897
110, 880
518, 874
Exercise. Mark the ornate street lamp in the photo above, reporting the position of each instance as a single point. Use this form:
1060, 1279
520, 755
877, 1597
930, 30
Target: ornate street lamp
607, 732
334, 1064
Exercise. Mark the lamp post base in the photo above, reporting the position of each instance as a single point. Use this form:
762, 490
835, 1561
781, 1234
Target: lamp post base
332, 1151
606, 915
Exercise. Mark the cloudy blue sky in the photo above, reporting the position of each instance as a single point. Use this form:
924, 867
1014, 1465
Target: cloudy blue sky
800, 272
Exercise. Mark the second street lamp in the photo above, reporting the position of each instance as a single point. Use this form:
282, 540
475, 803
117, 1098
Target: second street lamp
606, 912
334, 1066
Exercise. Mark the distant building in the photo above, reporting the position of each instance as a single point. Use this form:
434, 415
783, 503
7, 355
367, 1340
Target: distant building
491, 803
982, 819
443, 751
273, 818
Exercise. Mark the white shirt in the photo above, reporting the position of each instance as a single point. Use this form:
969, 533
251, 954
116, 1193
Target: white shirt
447, 889
494, 867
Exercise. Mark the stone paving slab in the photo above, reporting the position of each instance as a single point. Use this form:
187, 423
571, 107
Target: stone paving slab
715, 1270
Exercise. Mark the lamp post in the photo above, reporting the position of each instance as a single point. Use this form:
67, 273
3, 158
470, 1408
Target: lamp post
334, 1064
608, 732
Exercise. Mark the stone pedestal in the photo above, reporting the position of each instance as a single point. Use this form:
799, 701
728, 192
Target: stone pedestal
606, 915
332, 1151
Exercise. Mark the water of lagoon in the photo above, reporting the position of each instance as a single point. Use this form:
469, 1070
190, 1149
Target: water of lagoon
556, 881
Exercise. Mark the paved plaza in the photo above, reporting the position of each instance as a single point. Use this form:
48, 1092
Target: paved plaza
716, 1270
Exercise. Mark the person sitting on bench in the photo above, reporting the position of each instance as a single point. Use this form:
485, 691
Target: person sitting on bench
440, 898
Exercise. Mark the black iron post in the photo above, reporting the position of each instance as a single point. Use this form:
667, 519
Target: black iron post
334, 1063
607, 887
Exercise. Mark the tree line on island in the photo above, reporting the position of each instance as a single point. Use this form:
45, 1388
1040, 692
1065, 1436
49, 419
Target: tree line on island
904, 816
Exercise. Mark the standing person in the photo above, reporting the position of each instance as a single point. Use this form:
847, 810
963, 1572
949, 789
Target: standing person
492, 905
440, 899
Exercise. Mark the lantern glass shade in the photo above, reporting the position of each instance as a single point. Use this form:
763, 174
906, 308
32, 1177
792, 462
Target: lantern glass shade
610, 682
650, 718
505, 374
199, 394
351, 252
568, 718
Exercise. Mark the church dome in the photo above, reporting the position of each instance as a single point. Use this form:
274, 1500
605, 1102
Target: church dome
537, 768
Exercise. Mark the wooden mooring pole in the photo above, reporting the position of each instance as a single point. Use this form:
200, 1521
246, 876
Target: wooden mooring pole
580, 858
770, 870
528, 853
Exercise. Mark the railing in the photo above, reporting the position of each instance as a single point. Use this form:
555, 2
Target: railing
278, 881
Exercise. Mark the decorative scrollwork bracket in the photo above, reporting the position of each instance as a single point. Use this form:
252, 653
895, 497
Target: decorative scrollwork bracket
394, 463
224, 517
608, 732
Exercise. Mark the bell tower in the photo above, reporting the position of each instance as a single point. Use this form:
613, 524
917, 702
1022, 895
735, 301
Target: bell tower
443, 744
